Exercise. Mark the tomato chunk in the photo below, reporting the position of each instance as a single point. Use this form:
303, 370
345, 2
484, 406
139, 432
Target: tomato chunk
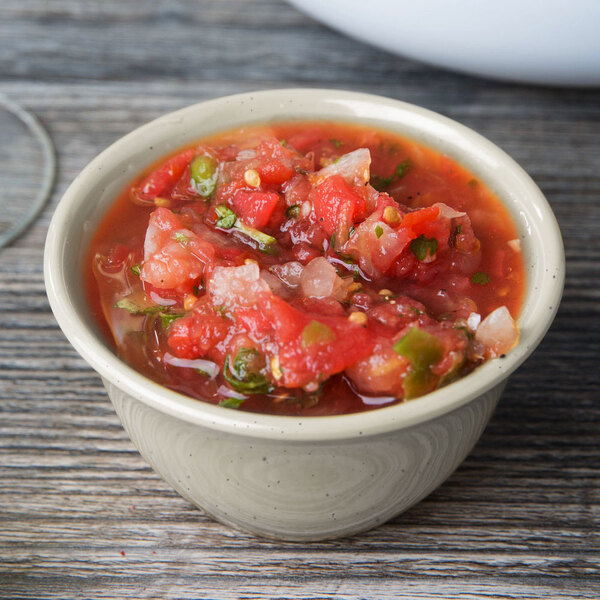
255, 208
314, 346
161, 181
336, 204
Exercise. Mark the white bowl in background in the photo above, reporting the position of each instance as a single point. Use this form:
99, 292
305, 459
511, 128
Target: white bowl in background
555, 42
314, 477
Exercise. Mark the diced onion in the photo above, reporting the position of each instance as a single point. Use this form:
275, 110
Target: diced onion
229, 393
236, 286
161, 301
207, 366
246, 154
448, 211
289, 273
318, 279
473, 321
498, 332
354, 167
515, 244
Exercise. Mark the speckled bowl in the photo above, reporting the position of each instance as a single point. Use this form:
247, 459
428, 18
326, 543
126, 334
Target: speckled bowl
300, 478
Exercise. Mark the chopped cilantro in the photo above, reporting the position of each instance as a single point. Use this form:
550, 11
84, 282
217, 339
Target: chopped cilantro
402, 168
380, 183
423, 246
244, 374
332, 241
166, 318
227, 217
136, 309
301, 171
378, 231
136, 269
481, 278
231, 402
292, 212
336, 143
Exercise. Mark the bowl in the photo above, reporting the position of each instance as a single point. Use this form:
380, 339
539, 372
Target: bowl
552, 42
284, 477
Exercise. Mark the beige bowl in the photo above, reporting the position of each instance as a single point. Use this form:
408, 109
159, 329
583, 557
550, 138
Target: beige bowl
285, 477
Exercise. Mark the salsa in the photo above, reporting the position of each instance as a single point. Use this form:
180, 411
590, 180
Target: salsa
306, 268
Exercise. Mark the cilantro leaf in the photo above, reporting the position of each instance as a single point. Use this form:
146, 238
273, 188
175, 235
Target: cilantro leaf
481, 278
380, 183
422, 246
231, 402
136, 309
244, 374
378, 231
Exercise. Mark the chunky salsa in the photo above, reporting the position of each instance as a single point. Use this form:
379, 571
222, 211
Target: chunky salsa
307, 269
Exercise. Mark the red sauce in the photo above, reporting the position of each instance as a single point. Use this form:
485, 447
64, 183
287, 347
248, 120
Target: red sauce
306, 269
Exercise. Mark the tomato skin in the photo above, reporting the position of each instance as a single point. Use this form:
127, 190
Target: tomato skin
336, 203
254, 208
162, 180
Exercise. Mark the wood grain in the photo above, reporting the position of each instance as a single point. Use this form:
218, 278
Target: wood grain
82, 515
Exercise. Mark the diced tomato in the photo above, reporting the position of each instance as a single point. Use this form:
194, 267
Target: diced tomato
275, 171
336, 204
161, 181
173, 256
254, 208
194, 335
417, 220
303, 363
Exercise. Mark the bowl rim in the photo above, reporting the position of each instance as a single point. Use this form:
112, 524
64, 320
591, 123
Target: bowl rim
539, 229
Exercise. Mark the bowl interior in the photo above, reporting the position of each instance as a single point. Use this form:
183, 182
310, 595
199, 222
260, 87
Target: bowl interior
96, 187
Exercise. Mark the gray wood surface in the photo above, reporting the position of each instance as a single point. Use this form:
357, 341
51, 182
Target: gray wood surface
82, 515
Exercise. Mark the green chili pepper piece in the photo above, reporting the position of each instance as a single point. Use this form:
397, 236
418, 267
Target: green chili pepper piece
423, 350
203, 174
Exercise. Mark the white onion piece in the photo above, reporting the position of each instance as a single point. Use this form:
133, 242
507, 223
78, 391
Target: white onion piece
207, 366
229, 393
354, 167
161, 301
289, 273
448, 211
246, 154
236, 286
318, 278
473, 321
515, 245
498, 332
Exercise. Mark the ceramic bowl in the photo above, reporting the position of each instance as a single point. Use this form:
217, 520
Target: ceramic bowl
552, 42
285, 477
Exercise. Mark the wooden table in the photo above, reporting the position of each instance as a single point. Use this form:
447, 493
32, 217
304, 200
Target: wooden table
82, 515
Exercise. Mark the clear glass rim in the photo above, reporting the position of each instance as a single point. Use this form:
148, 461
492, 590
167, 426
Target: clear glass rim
49, 168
